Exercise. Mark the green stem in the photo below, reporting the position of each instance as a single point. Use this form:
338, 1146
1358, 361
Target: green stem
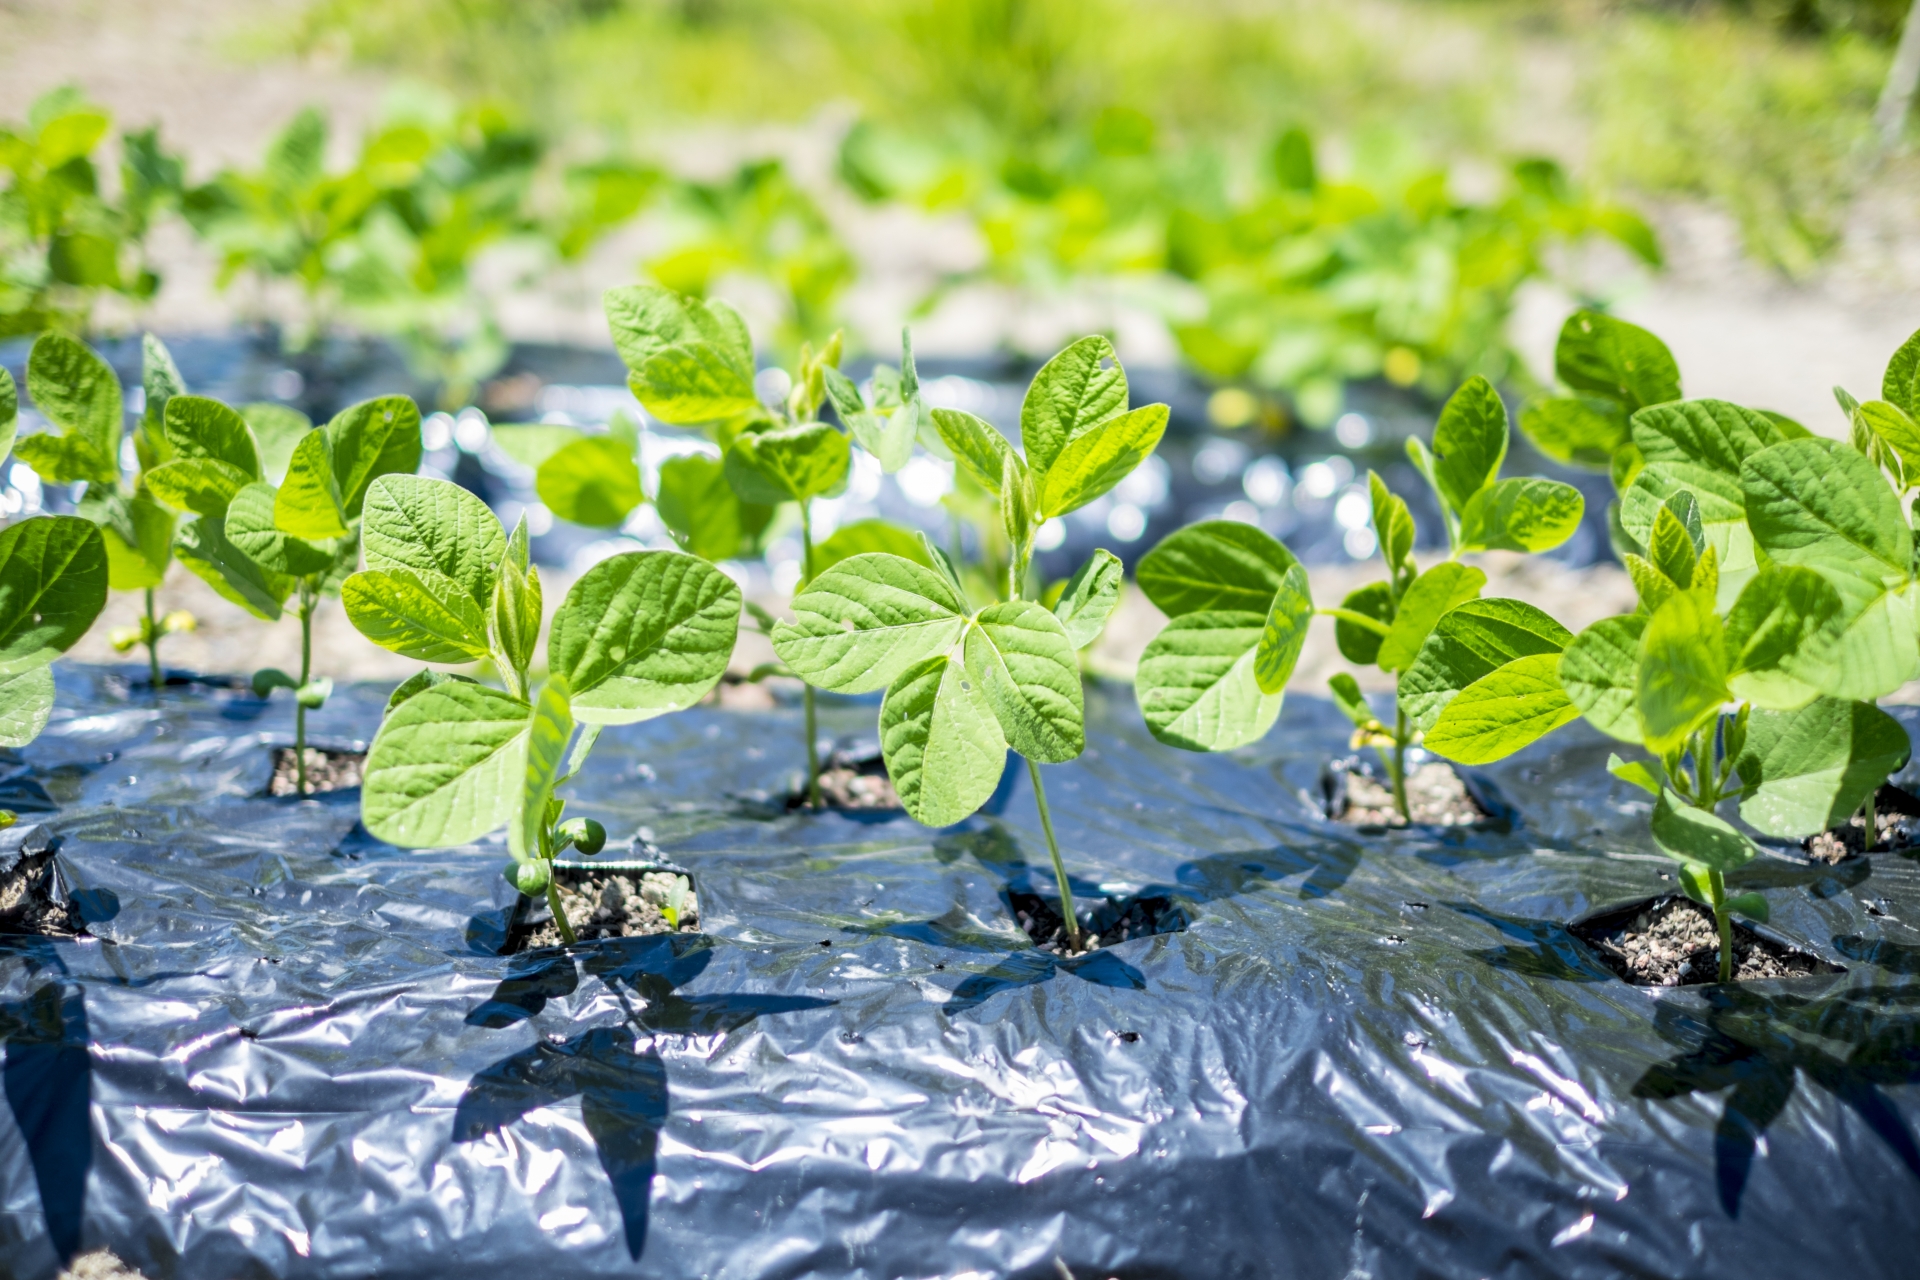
1360, 620
1873, 835
1399, 767
1053, 851
306, 673
1717, 886
153, 643
559, 916
806, 690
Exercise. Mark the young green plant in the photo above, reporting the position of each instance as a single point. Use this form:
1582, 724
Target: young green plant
639, 635
965, 684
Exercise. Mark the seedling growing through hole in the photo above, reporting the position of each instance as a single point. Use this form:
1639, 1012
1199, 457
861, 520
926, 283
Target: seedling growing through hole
80, 396
53, 584
639, 635
965, 684
1240, 605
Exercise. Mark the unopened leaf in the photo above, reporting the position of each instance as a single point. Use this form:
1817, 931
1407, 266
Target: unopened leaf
1089, 596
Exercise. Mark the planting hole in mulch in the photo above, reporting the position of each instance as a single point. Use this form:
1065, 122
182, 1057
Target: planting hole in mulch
854, 779
28, 903
605, 904
326, 771
1114, 920
1436, 794
1896, 822
1671, 942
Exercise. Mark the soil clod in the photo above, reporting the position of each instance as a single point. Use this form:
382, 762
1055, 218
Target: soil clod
1672, 942
611, 904
326, 771
28, 903
1435, 794
854, 780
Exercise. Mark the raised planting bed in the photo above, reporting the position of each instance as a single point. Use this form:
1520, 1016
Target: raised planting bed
292, 1050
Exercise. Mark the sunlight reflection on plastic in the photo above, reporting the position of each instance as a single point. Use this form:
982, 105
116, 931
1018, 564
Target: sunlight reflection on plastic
1353, 431
1218, 459
1266, 482
1354, 509
1127, 522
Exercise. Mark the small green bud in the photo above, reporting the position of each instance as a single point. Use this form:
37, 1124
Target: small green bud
313, 694
584, 834
529, 877
267, 679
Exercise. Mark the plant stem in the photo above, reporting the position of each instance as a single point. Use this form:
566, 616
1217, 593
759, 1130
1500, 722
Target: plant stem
1399, 766
559, 916
306, 673
806, 689
1053, 851
1717, 886
153, 644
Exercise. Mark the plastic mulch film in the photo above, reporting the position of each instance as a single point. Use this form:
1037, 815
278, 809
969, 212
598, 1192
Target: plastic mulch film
287, 1049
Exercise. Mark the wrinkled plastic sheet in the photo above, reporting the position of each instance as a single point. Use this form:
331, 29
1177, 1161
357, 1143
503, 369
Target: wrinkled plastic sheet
291, 1051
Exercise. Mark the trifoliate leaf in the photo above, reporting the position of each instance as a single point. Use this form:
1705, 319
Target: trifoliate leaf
1820, 504
1100, 457
1502, 712
642, 634
1808, 770
1469, 442
446, 767
1214, 565
1526, 514
863, 622
977, 447
1470, 641
942, 744
433, 526
421, 614
1020, 655
593, 482
371, 439
1599, 670
1430, 595
1078, 388
1681, 681
1196, 684
788, 464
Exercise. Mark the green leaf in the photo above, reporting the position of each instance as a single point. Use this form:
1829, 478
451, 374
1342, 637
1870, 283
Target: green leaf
1675, 542
1469, 442
1599, 670
160, 381
694, 384
446, 767
1781, 634
888, 436
1502, 712
251, 529
943, 746
418, 682
1089, 597
513, 624
1285, 633
53, 584
1020, 655
594, 482
1900, 384
1723, 521
138, 533
26, 703
1582, 432
77, 391
1099, 458
375, 438
1820, 504
433, 526
705, 514
531, 443
66, 459
1693, 835
307, 504
1470, 641
9, 413
1696, 883
277, 430
1682, 677
201, 485
1638, 773
1078, 388
202, 546
1213, 566
642, 634
788, 464
691, 360
1393, 527
863, 622
1700, 439
1875, 652
423, 615
1615, 359
1752, 904
864, 537
1196, 684
1527, 514
549, 729
1896, 431
199, 428
1807, 771
1432, 594
1352, 702
1360, 644
977, 446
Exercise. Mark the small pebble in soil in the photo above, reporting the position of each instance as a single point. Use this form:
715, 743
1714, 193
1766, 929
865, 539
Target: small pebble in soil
849, 787
615, 904
1892, 830
326, 771
1435, 794
1675, 943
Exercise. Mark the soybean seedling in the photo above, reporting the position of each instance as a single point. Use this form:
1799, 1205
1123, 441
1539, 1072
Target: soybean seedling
965, 684
80, 396
640, 634
259, 544
53, 584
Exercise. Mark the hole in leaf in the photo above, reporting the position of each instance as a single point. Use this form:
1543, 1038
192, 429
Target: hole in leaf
966, 686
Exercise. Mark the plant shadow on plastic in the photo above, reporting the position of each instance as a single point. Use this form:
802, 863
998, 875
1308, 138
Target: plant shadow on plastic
616, 1072
1762, 1045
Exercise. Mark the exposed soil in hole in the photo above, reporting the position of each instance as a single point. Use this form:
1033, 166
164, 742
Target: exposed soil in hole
1896, 821
1114, 920
1435, 794
1672, 942
606, 904
27, 902
850, 780
326, 771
